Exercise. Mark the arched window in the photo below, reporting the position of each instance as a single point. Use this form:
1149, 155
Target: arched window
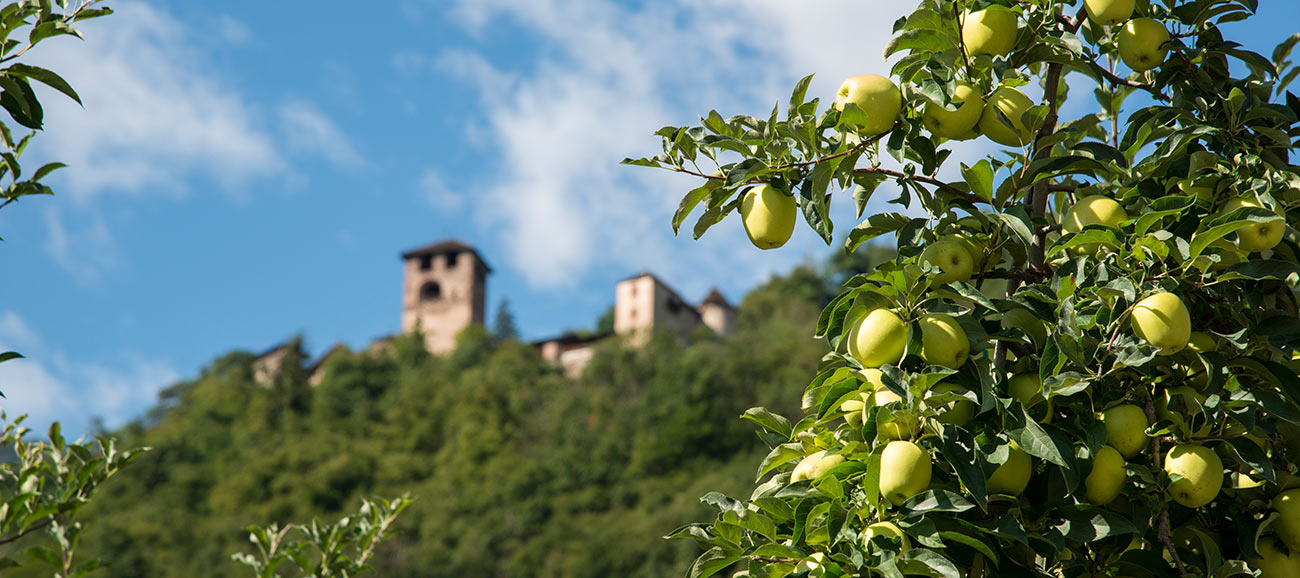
431, 291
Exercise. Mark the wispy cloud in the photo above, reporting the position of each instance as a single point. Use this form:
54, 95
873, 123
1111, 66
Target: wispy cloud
308, 130
606, 76
48, 386
154, 115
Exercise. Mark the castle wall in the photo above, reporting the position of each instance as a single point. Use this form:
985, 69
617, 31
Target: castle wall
722, 320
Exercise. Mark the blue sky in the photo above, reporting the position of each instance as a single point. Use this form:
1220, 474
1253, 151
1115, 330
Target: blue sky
244, 171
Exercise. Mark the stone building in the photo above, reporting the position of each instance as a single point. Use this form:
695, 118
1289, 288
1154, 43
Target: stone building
444, 290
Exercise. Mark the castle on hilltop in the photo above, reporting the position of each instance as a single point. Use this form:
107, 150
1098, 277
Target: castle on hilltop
444, 291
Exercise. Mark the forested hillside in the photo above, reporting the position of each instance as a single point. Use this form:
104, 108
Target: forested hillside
516, 470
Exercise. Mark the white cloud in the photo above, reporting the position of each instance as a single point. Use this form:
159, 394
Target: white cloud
86, 249
48, 386
233, 31
605, 77
441, 197
308, 130
153, 116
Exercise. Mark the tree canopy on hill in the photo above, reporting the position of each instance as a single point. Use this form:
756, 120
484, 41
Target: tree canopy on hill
516, 470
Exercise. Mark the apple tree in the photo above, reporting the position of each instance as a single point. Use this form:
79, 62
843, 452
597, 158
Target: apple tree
1082, 360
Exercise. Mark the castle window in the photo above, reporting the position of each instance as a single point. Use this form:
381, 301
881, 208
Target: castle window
451, 260
431, 291
426, 262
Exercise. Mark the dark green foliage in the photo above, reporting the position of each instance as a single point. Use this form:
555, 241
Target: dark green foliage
516, 470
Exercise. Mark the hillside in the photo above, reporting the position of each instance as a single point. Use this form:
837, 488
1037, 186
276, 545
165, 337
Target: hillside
517, 471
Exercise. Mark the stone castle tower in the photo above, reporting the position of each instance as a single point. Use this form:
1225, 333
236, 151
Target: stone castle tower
444, 290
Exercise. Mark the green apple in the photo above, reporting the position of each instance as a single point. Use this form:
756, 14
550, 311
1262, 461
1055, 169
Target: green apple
879, 339
1287, 523
1126, 429
1013, 475
1202, 188
1024, 320
887, 530
1256, 236
815, 466
1162, 320
1201, 471
1107, 476
769, 216
1027, 388
905, 469
976, 245
952, 259
1093, 210
1201, 342
1012, 104
1142, 44
896, 427
1190, 399
989, 31
853, 409
1109, 12
955, 124
878, 100
943, 341
1273, 563
960, 412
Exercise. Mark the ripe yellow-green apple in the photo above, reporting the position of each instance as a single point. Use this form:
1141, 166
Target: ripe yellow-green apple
1162, 320
960, 412
879, 339
1191, 399
1109, 12
815, 466
853, 409
1273, 563
1093, 210
1024, 320
952, 259
1256, 236
905, 469
1027, 388
1126, 427
1012, 104
1202, 189
989, 31
943, 341
1201, 342
955, 124
1013, 475
1142, 44
769, 216
896, 427
1287, 523
1107, 476
975, 245
878, 102
887, 530
1201, 471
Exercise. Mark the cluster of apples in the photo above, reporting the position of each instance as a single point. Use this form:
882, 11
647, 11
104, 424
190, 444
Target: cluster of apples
870, 104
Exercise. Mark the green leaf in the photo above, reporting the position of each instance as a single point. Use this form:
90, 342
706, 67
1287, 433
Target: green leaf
875, 226
959, 449
689, 202
800, 91
769, 421
1253, 456
980, 179
47, 77
779, 456
1088, 524
711, 562
935, 500
923, 562
1045, 442
7, 355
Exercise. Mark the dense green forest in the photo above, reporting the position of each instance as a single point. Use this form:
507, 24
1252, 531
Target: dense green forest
516, 470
